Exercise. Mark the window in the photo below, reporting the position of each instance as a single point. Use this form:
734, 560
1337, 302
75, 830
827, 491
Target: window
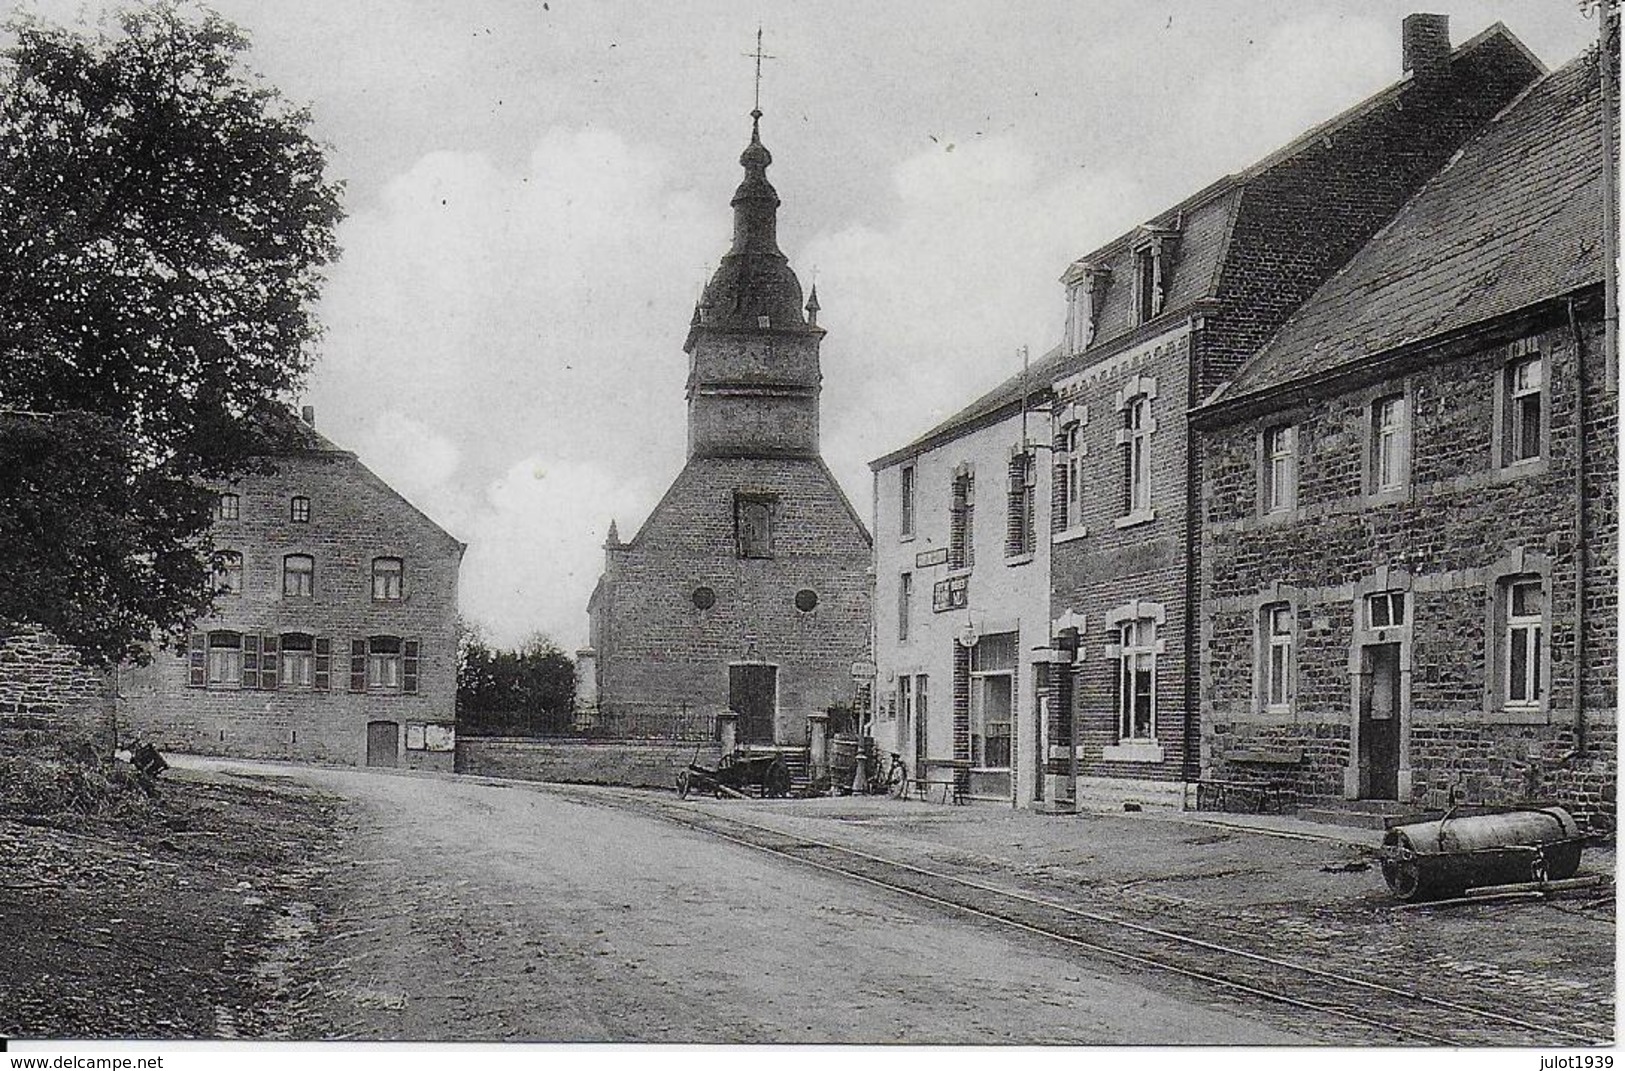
1522, 405
753, 525
1085, 290
1020, 520
299, 509
298, 661
920, 693
225, 660
1277, 651
298, 576
806, 600
961, 521
905, 696
1136, 439
1390, 443
992, 684
386, 579
384, 664
228, 572
905, 604
227, 507
1385, 609
905, 524
1280, 469
1136, 689
1072, 473
1524, 599
704, 597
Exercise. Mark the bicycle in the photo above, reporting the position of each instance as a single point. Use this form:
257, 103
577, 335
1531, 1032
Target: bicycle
892, 781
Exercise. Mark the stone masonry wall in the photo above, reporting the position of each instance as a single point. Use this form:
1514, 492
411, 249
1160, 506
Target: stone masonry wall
46, 692
1466, 523
642, 765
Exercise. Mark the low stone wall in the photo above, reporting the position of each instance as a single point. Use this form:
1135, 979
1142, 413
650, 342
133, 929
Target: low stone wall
641, 764
46, 693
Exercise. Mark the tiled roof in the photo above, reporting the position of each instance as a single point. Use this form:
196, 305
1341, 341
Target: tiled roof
1514, 219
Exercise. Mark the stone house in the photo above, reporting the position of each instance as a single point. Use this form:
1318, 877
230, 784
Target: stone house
746, 589
1409, 552
1155, 321
335, 640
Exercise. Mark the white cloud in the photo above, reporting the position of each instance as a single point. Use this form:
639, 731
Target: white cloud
535, 546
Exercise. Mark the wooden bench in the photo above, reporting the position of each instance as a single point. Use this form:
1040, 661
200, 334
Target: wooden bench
955, 786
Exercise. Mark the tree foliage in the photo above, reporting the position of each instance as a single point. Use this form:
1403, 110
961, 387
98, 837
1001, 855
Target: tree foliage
529, 689
165, 222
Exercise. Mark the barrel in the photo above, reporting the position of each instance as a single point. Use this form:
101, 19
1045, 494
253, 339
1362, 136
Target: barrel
843, 759
1448, 856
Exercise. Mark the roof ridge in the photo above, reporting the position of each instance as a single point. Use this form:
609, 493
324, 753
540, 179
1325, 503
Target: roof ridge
1433, 181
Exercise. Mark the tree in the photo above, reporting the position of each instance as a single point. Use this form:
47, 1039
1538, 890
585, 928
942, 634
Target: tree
165, 222
530, 688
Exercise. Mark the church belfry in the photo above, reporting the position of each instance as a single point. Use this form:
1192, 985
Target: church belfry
753, 378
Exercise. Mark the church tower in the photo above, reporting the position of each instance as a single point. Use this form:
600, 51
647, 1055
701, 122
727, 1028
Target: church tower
744, 598
753, 376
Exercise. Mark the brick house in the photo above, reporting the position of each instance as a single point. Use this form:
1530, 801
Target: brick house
746, 589
1155, 321
336, 639
1409, 548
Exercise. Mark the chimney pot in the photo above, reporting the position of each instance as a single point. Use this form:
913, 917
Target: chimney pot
1425, 44
308, 415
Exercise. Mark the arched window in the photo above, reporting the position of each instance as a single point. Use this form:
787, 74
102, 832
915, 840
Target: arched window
228, 572
387, 574
298, 666
384, 664
298, 576
226, 659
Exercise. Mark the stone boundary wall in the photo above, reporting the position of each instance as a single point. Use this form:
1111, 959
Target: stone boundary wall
640, 764
46, 692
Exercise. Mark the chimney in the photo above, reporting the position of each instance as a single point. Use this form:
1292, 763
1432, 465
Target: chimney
308, 415
1425, 44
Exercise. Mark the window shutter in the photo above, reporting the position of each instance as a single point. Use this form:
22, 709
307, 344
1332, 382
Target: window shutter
409, 667
251, 661
358, 665
268, 666
324, 664
197, 655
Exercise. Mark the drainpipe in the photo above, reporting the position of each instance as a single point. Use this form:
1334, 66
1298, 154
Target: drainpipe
1607, 26
1579, 534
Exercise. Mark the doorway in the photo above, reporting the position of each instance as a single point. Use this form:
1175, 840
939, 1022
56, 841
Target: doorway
753, 689
383, 740
1379, 721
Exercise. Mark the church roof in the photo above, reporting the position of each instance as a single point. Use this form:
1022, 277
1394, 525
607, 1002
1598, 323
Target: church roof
755, 279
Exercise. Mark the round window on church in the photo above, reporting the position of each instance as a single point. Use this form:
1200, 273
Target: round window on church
704, 598
806, 600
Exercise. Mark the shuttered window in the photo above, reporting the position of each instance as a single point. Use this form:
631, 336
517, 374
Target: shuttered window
358, 665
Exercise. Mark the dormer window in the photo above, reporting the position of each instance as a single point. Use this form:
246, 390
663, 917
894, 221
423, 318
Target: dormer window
1085, 288
1152, 268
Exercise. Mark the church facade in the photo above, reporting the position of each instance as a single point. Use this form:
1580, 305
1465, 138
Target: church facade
747, 588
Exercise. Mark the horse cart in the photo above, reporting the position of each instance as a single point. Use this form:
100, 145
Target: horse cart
739, 775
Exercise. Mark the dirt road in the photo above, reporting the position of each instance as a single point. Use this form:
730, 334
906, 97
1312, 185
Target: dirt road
459, 910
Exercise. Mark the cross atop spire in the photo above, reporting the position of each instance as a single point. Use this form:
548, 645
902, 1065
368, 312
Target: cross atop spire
759, 55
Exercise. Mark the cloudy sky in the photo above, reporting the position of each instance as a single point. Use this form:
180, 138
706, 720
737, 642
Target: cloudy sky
537, 190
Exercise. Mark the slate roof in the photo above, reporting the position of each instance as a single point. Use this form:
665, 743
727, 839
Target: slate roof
1514, 219
1205, 223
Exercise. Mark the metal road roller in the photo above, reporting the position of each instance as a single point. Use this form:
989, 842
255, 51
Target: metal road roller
1473, 847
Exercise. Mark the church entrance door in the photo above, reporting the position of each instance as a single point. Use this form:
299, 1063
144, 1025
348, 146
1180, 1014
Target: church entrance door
753, 694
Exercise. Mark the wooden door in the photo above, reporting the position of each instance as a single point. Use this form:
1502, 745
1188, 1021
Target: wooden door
753, 695
383, 738
1379, 722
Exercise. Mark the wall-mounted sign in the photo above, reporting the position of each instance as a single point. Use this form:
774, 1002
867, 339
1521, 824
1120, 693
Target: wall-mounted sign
439, 738
925, 559
950, 594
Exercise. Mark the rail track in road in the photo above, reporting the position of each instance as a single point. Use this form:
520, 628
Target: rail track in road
1346, 1009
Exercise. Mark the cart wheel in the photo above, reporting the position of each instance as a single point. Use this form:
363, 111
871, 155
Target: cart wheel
682, 785
777, 780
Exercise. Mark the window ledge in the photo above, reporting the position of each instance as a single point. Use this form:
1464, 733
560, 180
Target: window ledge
1070, 534
964, 570
1132, 751
1284, 515
1139, 516
1517, 470
907, 537
1518, 716
1020, 559
1392, 495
